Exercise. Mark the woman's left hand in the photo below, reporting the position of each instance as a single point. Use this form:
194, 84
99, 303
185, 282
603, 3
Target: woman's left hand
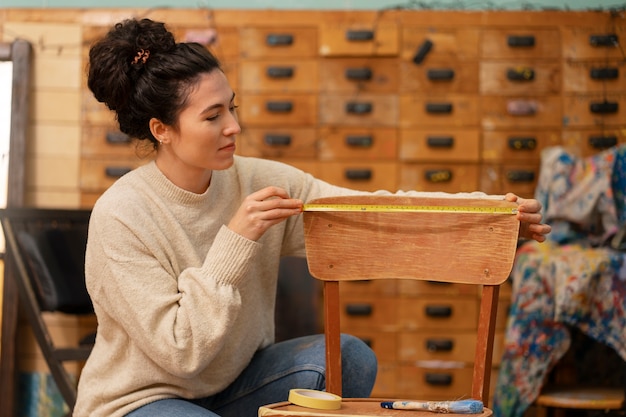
529, 215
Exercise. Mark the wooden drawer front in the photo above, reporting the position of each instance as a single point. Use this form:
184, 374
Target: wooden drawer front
99, 174
410, 288
304, 164
278, 143
504, 305
359, 39
108, 141
385, 385
500, 179
360, 144
438, 313
578, 43
279, 76
231, 70
447, 44
378, 287
287, 42
517, 145
461, 145
437, 346
438, 111
94, 112
434, 383
454, 77
526, 77
278, 110
519, 112
222, 41
348, 75
362, 110
591, 141
594, 76
520, 43
383, 343
496, 357
368, 313
439, 177
368, 176
594, 110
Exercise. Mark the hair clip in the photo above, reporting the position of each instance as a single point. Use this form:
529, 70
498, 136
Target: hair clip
142, 55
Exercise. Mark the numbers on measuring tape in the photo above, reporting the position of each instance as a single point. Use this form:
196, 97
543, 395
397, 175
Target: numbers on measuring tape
409, 209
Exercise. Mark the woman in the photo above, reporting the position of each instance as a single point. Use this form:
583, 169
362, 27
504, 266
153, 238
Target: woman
183, 252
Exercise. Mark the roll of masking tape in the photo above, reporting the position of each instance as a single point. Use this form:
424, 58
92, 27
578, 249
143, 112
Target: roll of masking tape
315, 399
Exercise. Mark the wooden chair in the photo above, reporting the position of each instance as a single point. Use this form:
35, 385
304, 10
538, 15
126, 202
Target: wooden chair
476, 247
47, 248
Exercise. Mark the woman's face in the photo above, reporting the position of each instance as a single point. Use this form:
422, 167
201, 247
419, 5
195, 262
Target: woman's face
205, 137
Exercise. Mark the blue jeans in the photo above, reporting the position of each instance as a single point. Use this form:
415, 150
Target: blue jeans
273, 371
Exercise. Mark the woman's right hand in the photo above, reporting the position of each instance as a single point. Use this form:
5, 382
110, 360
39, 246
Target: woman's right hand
263, 209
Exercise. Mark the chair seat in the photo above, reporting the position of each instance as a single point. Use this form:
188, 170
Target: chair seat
353, 407
582, 398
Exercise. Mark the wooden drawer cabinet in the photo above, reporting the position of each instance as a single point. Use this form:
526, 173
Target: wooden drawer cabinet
517, 145
276, 143
435, 381
359, 39
358, 143
593, 110
96, 175
360, 175
595, 76
593, 140
279, 76
441, 345
437, 78
520, 179
519, 42
439, 177
593, 41
438, 313
440, 145
269, 110
356, 75
521, 112
292, 42
521, 77
373, 110
438, 111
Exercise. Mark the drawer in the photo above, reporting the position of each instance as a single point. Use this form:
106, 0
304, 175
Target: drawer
368, 313
95, 113
452, 77
447, 44
520, 179
279, 76
594, 110
520, 43
357, 75
363, 110
409, 288
594, 76
385, 385
231, 70
437, 346
278, 143
222, 41
439, 111
108, 141
304, 164
443, 145
517, 145
374, 144
359, 39
377, 287
99, 174
365, 176
382, 343
278, 42
521, 77
439, 382
297, 110
519, 112
438, 313
591, 141
592, 42
439, 177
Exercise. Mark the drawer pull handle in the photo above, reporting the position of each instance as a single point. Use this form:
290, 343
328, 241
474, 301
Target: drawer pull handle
609, 39
355, 107
117, 137
359, 309
520, 143
439, 311
360, 141
440, 74
277, 140
422, 51
116, 172
602, 142
521, 107
279, 106
604, 107
439, 107
519, 175
359, 35
520, 74
359, 174
438, 175
605, 73
438, 379
279, 39
440, 141
280, 72
439, 345
359, 74
520, 41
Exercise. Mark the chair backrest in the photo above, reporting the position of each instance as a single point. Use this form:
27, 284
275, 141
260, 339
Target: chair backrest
453, 240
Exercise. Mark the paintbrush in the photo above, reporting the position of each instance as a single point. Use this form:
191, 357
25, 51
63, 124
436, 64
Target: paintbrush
458, 407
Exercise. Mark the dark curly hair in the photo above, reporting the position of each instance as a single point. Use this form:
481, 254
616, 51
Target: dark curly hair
140, 72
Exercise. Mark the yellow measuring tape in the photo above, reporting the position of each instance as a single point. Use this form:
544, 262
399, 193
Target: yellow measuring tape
409, 209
